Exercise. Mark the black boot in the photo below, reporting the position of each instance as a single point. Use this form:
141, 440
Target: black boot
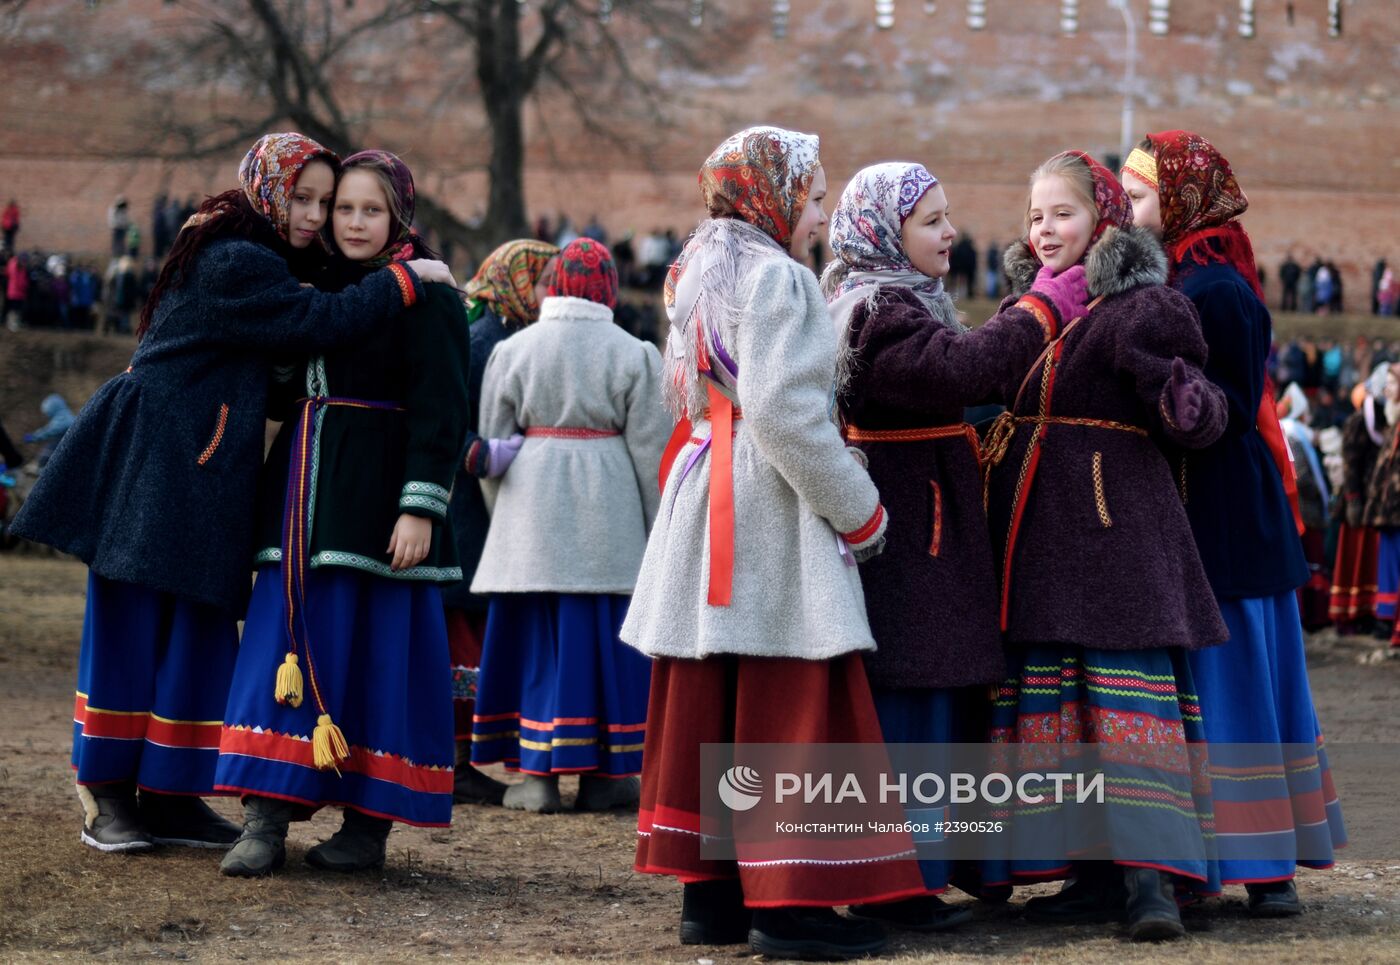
1093, 896
713, 913
112, 818
927, 913
185, 820
359, 845
262, 847
1276, 899
1152, 911
813, 933
470, 786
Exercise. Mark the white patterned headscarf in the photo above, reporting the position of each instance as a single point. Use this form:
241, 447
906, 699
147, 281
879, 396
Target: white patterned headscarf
866, 241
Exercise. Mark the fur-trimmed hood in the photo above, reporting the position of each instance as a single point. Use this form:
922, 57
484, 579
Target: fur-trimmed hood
1121, 260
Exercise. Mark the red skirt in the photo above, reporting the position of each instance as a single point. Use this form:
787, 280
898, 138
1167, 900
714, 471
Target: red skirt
465, 631
755, 700
1353, 594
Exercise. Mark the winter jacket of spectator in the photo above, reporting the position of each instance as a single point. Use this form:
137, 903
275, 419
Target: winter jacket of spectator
1100, 551
155, 482
1359, 454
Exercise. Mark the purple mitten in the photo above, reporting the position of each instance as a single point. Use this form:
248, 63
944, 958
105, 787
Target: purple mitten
1069, 291
503, 453
1187, 395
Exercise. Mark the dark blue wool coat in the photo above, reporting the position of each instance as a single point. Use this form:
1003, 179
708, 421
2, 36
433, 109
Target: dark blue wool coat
1239, 513
470, 520
155, 482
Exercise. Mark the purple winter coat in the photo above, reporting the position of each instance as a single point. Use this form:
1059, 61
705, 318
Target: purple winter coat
1101, 552
931, 596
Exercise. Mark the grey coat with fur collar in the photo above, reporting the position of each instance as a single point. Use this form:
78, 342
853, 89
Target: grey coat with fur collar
1101, 552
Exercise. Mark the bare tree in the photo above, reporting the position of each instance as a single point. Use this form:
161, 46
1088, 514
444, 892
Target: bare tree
246, 66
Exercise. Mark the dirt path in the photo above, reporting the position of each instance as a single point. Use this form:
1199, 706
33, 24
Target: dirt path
506, 887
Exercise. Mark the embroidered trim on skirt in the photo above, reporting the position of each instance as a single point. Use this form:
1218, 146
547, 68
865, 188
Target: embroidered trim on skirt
559, 692
153, 677
1254, 690
1354, 576
731, 699
379, 648
1140, 709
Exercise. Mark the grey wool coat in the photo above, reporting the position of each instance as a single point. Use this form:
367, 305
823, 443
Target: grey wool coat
156, 481
795, 488
1101, 552
571, 515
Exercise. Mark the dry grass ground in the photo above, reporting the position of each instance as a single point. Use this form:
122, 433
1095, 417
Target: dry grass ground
503, 887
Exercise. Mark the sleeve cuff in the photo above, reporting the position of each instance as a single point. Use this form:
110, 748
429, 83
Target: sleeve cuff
478, 458
410, 288
1044, 313
424, 499
870, 532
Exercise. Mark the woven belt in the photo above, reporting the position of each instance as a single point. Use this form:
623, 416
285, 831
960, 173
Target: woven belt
854, 434
570, 432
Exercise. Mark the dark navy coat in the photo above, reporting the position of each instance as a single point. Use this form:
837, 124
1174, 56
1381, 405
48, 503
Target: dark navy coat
1235, 501
470, 520
155, 483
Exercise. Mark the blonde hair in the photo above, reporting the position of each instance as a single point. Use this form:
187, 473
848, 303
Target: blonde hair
385, 177
1076, 173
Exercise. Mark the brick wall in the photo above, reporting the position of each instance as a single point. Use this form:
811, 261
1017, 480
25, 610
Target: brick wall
1309, 122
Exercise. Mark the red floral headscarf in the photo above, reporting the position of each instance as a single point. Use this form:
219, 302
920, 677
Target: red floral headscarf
1200, 202
269, 174
761, 175
1110, 200
586, 270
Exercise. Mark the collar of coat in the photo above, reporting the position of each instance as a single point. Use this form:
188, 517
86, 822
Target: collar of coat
1123, 259
567, 308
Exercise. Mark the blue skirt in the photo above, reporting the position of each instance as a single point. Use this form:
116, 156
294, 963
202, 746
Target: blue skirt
558, 691
931, 716
1270, 813
1140, 708
378, 647
1388, 573
153, 678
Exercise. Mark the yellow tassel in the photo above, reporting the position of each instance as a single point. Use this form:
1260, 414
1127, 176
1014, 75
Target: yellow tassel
289, 682
327, 744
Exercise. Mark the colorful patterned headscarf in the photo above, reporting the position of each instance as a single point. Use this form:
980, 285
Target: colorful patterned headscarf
1200, 202
507, 279
270, 170
761, 175
586, 270
866, 227
1110, 200
866, 238
401, 237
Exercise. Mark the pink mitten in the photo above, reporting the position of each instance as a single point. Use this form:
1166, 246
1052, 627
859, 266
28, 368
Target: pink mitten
1069, 291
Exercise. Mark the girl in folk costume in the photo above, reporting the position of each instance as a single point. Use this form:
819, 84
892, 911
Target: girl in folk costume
1255, 688
502, 298
746, 592
1103, 593
1353, 603
338, 695
1382, 510
908, 368
153, 488
559, 693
